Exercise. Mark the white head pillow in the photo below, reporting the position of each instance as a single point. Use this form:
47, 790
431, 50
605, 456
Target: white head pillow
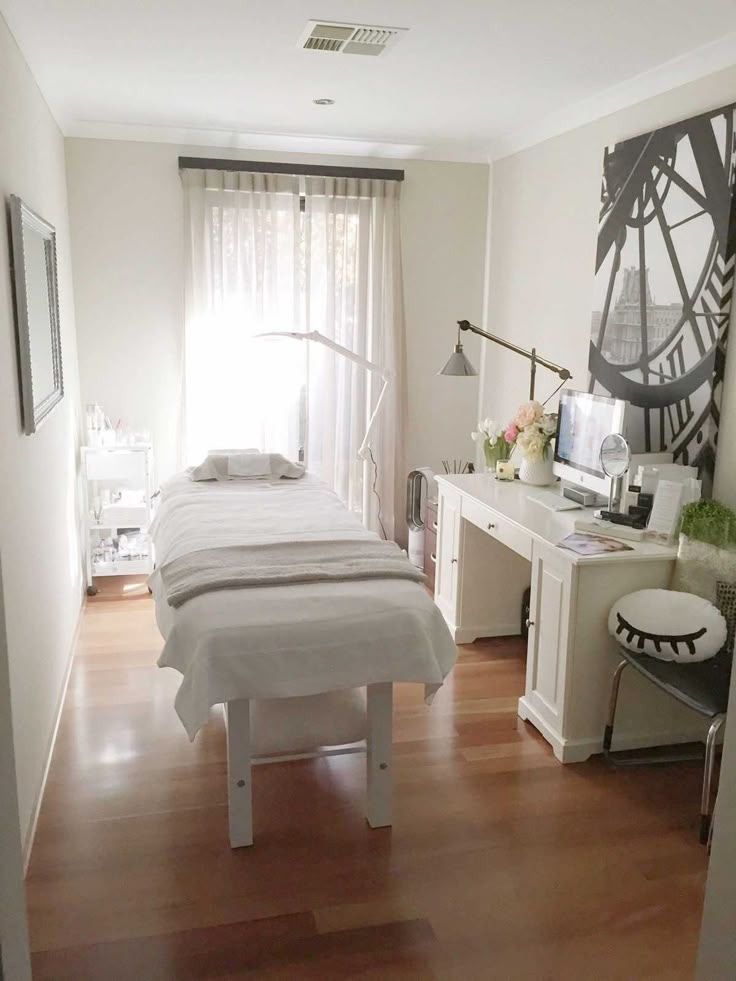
229, 452
245, 464
668, 625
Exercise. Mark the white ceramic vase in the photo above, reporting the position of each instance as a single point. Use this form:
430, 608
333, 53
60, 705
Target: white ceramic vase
537, 472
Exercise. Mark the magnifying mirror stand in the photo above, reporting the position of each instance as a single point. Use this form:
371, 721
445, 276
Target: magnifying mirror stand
615, 457
612, 492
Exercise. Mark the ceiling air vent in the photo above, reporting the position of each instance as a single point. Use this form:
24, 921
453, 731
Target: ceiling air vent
359, 39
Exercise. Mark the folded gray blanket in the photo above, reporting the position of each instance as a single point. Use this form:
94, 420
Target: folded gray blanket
282, 564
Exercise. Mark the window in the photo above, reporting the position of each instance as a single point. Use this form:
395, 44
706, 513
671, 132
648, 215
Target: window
271, 252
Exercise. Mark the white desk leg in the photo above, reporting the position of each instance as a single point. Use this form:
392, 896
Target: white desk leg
240, 806
380, 735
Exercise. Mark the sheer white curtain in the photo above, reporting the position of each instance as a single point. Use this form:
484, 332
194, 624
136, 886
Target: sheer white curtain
354, 296
243, 258
271, 252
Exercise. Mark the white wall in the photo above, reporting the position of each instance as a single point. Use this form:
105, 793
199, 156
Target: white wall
544, 206
126, 212
38, 474
543, 242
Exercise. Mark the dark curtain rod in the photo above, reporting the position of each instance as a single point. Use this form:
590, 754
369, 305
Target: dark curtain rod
311, 170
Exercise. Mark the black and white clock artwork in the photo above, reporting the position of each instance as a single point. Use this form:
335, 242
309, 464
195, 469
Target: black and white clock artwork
663, 284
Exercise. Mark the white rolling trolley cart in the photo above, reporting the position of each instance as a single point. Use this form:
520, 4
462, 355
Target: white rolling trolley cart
119, 510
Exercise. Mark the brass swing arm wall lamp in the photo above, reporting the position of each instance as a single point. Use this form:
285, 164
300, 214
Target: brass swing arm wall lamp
458, 363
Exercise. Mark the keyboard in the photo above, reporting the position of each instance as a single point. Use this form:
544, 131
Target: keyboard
554, 501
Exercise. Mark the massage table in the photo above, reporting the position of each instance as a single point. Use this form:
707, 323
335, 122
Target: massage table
290, 661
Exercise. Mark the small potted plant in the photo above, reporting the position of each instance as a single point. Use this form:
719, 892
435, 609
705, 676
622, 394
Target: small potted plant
706, 557
495, 447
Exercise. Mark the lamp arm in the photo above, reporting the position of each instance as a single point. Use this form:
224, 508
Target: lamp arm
314, 335
564, 373
363, 452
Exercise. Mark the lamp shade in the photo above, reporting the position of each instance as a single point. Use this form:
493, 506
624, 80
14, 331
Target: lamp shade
458, 364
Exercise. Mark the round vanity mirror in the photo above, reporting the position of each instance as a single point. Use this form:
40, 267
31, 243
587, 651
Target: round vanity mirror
615, 460
615, 455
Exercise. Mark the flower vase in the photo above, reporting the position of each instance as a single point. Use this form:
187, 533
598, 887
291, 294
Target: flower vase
536, 471
500, 450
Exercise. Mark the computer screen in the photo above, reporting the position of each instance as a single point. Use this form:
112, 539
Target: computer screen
583, 422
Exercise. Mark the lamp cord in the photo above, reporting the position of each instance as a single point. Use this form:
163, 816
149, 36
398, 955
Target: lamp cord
375, 491
555, 392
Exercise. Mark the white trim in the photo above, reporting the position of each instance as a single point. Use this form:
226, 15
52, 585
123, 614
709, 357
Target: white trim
184, 135
36, 809
468, 635
689, 67
579, 750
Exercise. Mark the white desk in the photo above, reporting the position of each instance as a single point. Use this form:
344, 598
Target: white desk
492, 544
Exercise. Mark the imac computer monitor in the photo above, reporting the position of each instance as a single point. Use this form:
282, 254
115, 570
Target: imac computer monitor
583, 422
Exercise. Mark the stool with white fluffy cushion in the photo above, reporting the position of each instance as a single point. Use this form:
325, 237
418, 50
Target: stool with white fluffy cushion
676, 641
668, 625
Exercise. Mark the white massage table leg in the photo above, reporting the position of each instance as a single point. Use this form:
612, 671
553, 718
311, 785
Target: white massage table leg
380, 736
240, 806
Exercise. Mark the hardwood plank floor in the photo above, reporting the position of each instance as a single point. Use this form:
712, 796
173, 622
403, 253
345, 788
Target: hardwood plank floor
501, 864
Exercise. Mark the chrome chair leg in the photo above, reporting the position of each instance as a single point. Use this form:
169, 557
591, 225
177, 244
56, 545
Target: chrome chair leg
712, 824
612, 702
710, 758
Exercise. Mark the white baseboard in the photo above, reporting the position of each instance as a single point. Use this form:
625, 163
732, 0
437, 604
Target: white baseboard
467, 635
36, 809
579, 750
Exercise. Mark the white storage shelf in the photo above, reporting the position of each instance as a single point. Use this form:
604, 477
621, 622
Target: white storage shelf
110, 472
115, 516
122, 567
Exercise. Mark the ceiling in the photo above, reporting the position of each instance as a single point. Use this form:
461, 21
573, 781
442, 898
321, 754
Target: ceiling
468, 80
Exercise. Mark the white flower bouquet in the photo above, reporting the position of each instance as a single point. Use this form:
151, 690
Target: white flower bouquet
532, 430
495, 447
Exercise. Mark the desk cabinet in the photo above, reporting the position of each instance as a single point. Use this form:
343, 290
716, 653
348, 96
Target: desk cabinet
548, 624
492, 544
448, 547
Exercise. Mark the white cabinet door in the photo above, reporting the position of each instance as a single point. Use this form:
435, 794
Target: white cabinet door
448, 545
549, 634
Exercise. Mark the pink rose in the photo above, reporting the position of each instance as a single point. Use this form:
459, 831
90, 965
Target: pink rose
511, 433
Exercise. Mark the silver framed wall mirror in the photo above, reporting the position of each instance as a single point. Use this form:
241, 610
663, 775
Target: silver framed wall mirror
37, 313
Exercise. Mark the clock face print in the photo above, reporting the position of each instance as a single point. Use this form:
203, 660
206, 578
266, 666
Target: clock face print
663, 284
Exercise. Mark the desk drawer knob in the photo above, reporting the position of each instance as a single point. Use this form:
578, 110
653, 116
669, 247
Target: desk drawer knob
491, 526
529, 623
433, 558
452, 560
434, 526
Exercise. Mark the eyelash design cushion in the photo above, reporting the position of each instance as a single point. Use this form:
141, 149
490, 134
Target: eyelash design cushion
668, 625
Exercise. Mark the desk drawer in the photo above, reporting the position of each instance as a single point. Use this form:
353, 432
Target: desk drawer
497, 527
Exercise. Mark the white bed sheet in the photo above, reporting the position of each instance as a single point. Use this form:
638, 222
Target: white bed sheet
283, 641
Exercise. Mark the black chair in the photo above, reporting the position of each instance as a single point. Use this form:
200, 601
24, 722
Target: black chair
703, 686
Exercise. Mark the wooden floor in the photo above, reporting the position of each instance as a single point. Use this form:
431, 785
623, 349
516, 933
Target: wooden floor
501, 864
